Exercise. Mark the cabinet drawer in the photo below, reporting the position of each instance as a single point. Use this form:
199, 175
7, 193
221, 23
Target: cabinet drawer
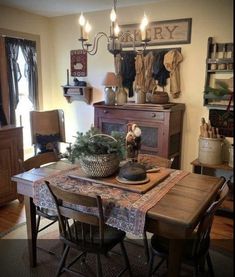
131, 114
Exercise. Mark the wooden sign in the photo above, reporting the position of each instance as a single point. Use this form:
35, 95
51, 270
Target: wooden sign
167, 32
78, 63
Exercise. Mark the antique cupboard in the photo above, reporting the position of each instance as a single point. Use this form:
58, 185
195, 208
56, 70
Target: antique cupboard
161, 125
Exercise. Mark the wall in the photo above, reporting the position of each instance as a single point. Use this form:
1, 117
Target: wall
59, 35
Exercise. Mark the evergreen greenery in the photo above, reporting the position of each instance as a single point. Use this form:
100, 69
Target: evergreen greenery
94, 143
221, 90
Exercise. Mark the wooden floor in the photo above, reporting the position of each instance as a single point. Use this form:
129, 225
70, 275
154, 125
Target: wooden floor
221, 234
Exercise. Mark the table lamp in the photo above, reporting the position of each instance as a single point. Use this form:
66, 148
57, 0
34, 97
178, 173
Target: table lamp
110, 82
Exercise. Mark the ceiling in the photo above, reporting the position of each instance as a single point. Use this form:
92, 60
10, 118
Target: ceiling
51, 8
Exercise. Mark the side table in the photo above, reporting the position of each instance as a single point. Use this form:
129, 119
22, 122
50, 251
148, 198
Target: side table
207, 169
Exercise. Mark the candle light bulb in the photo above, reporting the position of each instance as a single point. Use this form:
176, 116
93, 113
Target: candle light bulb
87, 29
144, 21
113, 15
143, 26
82, 20
116, 30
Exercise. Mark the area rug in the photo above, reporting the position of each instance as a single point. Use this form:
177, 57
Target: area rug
14, 259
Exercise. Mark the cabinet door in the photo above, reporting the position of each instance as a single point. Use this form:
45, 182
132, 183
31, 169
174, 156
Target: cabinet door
107, 125
151, 137
11, 149
7, 188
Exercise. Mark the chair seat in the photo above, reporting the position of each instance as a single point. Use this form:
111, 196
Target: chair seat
47, 213
112, 236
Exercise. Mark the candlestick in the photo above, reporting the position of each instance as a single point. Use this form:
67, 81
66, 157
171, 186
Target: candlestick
67, 77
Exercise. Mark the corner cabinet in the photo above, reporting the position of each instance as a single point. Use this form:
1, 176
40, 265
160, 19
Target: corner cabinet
219, 66
11, 149
161, 126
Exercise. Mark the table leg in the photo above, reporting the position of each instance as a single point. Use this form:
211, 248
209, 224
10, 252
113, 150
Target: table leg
175, 252
30, 210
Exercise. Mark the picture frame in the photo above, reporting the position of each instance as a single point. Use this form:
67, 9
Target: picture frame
78, 63
177, 31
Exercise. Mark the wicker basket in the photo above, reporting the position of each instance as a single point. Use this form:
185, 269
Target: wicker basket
102, 165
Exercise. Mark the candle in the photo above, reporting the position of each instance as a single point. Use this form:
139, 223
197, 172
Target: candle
82, 21
87, 30
67, 77
143, 32
143, 26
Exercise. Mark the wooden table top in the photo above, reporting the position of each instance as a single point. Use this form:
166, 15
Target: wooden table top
176, 214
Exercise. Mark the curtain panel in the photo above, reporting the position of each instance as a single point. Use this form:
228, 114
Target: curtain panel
11, 74
4, 88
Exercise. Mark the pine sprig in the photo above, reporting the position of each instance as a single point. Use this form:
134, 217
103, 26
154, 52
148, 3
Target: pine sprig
92, 143
221, 90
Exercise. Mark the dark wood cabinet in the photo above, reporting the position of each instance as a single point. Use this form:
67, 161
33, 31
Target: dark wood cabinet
11, 149
161, 126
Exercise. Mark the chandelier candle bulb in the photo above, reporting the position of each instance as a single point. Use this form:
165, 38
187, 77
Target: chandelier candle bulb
81, 23
116, 30
143, 26
87, 30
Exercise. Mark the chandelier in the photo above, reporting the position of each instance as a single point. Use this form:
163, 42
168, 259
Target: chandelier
114, 38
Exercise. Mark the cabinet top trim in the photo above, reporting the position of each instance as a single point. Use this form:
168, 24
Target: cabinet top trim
147, 107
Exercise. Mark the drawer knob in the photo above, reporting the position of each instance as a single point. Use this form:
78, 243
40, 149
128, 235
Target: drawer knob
153, 115
105, 111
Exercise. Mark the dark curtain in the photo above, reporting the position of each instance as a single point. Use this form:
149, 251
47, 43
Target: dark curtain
29, 51
14, 75
3, 120
4, 90
31, 73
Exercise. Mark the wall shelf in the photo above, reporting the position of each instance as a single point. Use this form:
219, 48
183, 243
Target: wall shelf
77, 93
219, 62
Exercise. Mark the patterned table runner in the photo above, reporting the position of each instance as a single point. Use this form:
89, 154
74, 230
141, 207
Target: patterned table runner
123, 209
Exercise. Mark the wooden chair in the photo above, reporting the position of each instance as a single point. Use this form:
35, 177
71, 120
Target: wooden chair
47, 130
152, 160
36, 162
196, 250
86, 232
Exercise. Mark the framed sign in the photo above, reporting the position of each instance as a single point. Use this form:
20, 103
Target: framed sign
78, 61
167, 32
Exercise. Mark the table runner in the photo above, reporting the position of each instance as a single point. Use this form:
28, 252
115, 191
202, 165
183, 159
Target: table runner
123, 209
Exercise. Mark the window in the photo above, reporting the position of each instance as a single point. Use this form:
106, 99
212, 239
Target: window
24, 105
18, 82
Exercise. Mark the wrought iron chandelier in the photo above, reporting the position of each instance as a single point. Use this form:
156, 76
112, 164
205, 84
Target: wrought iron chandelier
114, 39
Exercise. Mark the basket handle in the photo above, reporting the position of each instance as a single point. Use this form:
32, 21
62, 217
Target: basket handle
104, 135
155, 87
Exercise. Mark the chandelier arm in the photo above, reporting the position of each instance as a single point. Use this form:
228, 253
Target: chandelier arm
95, 46
96, 39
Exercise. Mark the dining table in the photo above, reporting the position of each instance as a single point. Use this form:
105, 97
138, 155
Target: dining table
174, 216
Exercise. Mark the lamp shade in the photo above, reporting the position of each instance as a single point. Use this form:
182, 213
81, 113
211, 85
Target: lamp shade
110, 80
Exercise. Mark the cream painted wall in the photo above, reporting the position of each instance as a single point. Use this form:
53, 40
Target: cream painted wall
59, 35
